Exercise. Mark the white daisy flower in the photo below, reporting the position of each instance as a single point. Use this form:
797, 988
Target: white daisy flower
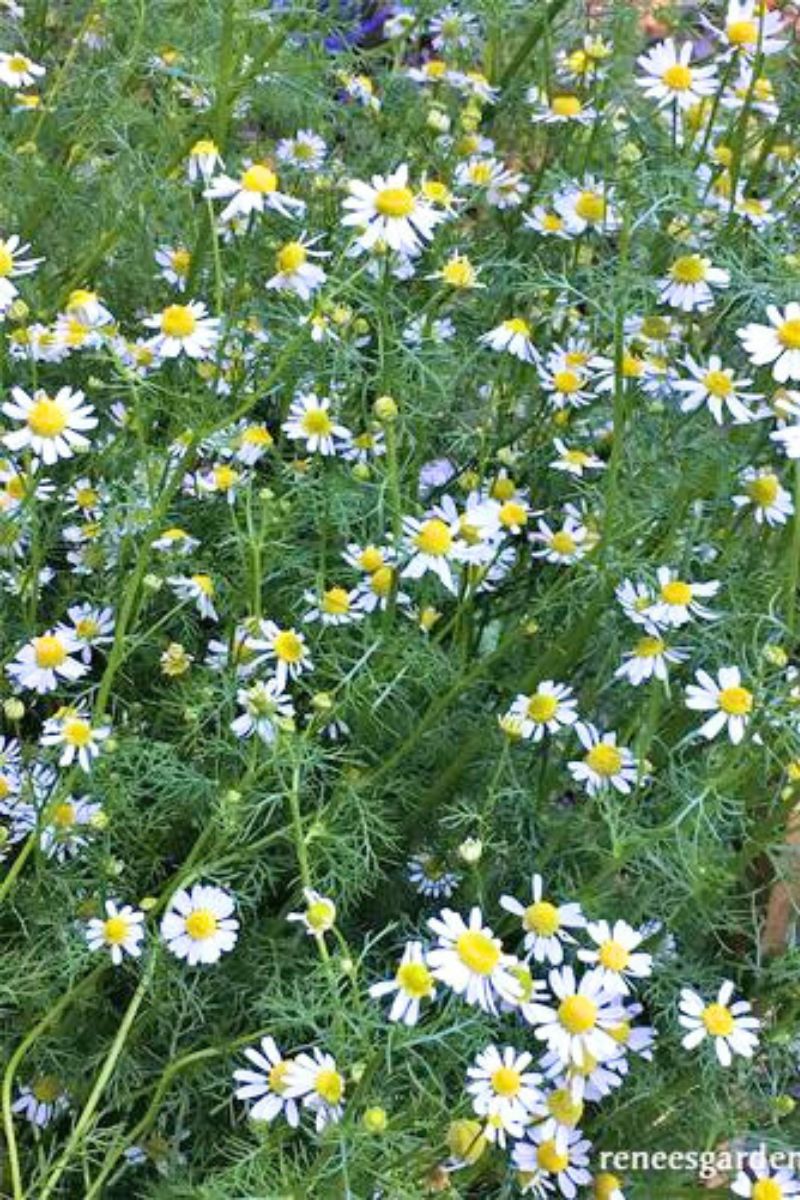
730, 702
578, 1028
199, 925
587, 205
72, 730
199, 589
566, 1164
13, 263
316, 1080
204, 159
547, 710
19, 71
605, 763
678, 600
761, 1181
432, 546
310, 421
68, 827
45, 661
733, 1030
285, 647
175, 263
184, 329
90, 626
41, 1101
670, 79
771, 503
548, 223
411, 984
53, 425
562, 546
649, 659
777, 343
573, 461
689, 282
751, 28
265, 705
120, 932
176, 541
615, 960
546, 924
561, 109
388, 211
294, 270
453, 29
266, 1085
513, 336
568, 386
501, 1084
334, 606
430, 877
469, 959
715, 386
255, 191
306, 150
319, 915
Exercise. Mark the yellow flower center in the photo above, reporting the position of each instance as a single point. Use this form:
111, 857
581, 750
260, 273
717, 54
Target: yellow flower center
621, 1033
381, 581
436, 68
291, 257
48, 651
736, 701
180, 260
655, 327
649, 647
677, 593
19, 64
506, 1081
86, 497
562, 1105
566, 106
763, 490
336, 602
47, 418
578, 1014
742, 33
64, 815
395, 202
789, 334
321, 915
478, 952
77, 732
47, 1089
316, 423
256, 435
513, 513
678, 78
590, 207
115, 930
689, 268
604, 759
434, 538
552, 222
458, 272
224, 478
550, 1158
541, 707
201, 924
259, 178
767, 1189
414, 979
204, 146
330, 1086
605, 1184
6, 260
567, 381
481, 173
718, 1020
563, 542
277, 1077
613, 956
517, 325
718, 383
178, 321
287, 646
370, 559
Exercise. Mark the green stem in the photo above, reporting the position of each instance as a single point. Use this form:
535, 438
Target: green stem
794, 559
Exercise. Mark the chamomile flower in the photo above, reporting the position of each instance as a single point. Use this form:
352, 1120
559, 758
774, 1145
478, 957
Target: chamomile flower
777, 343
68, 826
567, 386
175, 263
733, 1030
311, 422
546, 923
41, 1101
199, 925
18, 71
264, 706
431, 546
562, 546
587, 205
579, 1025
53, 427
605, 764
548, 223
501, 1084
411, 984
295, 272
689, 283
770, 502
199, 589
316, 1080
566, 1163
333, 606
255, 191
387, 210
649, 659
204, 159
71, 729
319, 915
512, 336
573, 461
730, 702
761, 1181
286, 648
120, 932
564, 108
90, 626
176, 541
547, 710
264, 1089
615, 958
184, 329
253, 441
13, 264
306, 150
458, 273
453, 28
751, 28
670, 79
470, 960
678, 600
429, 875
46, 661
716, 387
